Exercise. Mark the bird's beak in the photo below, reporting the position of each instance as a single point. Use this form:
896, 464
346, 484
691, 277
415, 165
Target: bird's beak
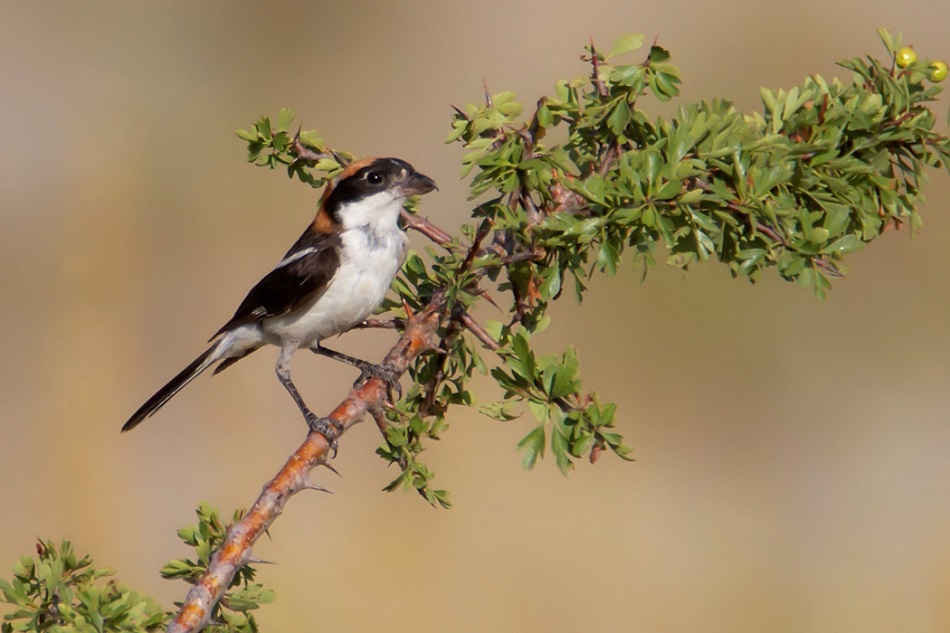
418, 184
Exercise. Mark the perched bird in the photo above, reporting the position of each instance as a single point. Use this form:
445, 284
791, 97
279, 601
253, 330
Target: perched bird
331, 279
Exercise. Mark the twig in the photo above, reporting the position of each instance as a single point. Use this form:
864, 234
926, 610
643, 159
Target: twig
424, 226
828, 267
563, 200
483, 230
432, 385
595, 72
762, 228
303, 153
457, 309
476, 329
899, 120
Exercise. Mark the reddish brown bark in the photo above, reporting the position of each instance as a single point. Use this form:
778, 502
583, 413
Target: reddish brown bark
294, 476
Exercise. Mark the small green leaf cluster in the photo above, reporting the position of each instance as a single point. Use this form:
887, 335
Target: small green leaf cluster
825, 169
60, 592
232, 613
550, 384
401, 445
305, 154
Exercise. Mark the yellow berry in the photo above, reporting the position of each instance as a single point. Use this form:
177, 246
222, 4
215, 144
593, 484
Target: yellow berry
937, 71
905, 57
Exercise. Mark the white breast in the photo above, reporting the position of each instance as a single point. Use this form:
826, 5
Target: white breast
371, 258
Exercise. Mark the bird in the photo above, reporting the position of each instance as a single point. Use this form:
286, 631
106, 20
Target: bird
333, 277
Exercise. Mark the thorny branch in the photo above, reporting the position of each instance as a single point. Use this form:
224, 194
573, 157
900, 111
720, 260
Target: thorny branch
294, 475
421, 335
428, 229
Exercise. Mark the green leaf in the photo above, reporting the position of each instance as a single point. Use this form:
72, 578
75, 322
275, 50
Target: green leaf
844, 245
550, 286
539, 410
582, 445
396, 436
625, 44
440, 497
284, 118
658, 55
560, 449
566, 382
247, 136
608, 258
885, 36
545, 118
12, 593
619, 118
264, 128
502, 411
310, 139
532, 447
522, 348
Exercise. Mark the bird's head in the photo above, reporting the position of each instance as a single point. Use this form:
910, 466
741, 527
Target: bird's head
370, 191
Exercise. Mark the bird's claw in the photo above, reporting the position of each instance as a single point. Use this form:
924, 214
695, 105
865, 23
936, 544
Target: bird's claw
384, 373
327, 427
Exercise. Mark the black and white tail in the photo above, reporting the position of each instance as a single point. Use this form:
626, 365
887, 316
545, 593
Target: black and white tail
174, 385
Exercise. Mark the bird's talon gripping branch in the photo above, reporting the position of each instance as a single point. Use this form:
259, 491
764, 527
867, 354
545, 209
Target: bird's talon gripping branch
384, 373
327, 427
367, 370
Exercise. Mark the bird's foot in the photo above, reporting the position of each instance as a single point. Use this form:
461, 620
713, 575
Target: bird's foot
385, 373
327, 427
367, 370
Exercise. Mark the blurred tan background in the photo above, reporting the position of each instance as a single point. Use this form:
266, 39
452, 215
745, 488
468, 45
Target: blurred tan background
792, 471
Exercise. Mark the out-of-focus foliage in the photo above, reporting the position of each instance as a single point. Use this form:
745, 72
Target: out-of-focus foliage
61, 592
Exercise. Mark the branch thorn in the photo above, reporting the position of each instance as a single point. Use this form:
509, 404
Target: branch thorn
409, 314
309, 485
333, 470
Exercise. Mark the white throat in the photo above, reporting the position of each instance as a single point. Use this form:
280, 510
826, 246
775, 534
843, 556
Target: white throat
379, 211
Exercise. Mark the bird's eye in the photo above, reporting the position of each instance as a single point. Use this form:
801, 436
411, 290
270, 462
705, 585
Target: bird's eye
374, 178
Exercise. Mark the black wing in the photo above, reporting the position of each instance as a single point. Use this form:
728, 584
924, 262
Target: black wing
311, 264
